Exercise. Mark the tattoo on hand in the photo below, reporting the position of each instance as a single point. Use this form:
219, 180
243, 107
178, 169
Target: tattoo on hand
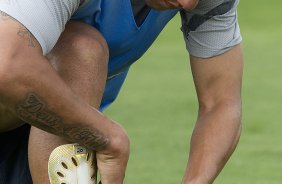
35, 111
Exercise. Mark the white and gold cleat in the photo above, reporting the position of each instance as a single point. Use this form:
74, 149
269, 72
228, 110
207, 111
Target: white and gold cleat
71, 164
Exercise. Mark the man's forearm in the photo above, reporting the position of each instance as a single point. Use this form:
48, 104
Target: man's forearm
43, 100
213, 141
35, 111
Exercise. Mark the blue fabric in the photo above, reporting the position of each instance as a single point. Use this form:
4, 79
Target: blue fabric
112, 88
127, 41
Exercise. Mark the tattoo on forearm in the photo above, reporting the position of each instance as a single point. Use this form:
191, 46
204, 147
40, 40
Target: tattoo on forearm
35, 111
22, 31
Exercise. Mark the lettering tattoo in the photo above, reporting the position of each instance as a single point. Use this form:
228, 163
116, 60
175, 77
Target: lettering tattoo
35, 111
22, 31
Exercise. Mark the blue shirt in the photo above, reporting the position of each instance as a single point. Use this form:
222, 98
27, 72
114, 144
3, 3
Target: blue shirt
127, 42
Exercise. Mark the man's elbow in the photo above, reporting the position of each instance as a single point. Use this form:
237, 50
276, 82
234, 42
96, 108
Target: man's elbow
227, 106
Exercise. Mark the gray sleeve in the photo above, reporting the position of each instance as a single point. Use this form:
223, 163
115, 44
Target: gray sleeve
45, 19
211, 28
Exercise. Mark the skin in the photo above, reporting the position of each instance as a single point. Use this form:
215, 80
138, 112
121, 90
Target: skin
172, 4
31, 89
217, 130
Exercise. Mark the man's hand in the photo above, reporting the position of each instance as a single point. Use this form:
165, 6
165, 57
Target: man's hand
172, 4
112, 162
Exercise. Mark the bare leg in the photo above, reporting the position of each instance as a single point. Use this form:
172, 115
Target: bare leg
80, 57
32, 89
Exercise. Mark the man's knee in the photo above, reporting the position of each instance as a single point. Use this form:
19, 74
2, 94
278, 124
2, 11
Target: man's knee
84, 41
88, 39
81, 59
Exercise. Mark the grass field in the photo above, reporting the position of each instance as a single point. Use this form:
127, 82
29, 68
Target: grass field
158, 105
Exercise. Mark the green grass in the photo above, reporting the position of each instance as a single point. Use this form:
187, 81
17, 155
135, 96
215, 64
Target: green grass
158, 106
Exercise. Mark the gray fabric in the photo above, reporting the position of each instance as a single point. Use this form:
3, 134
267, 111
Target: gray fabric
45, 19
211, 28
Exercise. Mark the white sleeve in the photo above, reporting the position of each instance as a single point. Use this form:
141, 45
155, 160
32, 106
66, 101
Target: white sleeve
45, 19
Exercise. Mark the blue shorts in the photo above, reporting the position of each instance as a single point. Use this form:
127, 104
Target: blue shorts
13, 161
